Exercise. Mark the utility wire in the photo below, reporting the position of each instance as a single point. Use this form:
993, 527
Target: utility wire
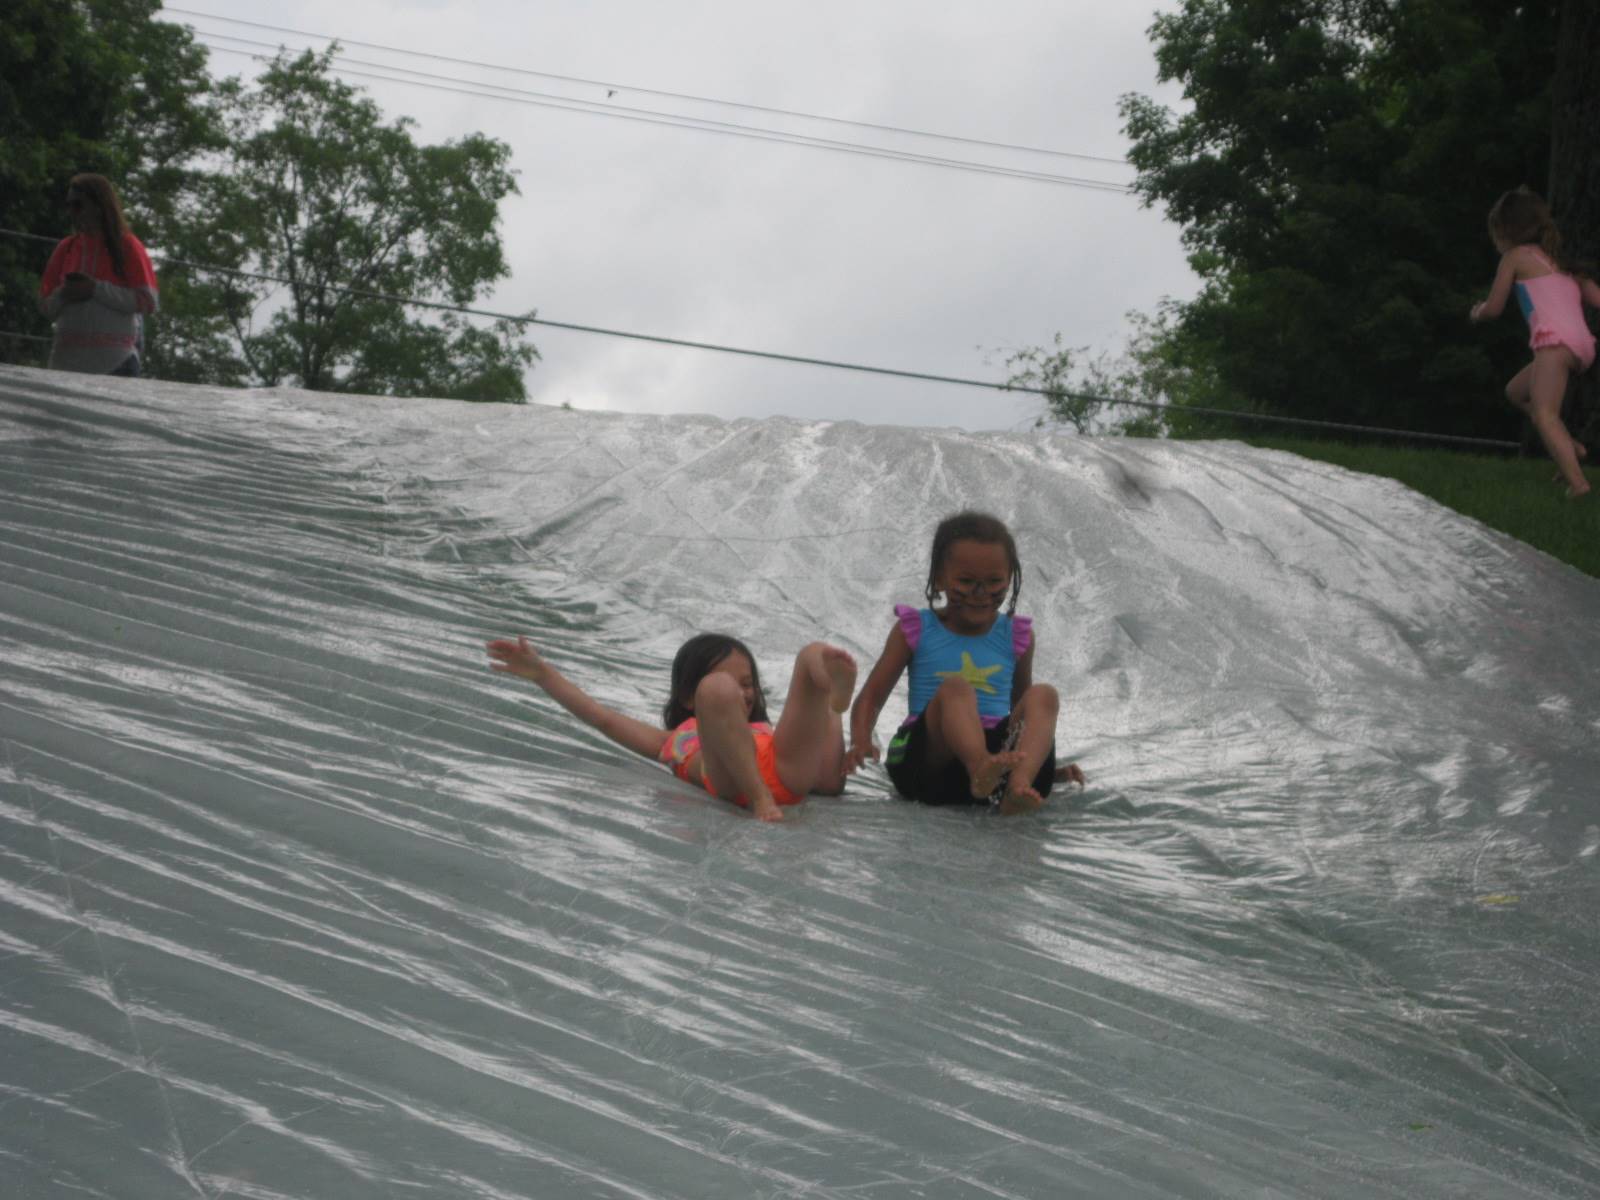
701, 124
522, 319
620, 87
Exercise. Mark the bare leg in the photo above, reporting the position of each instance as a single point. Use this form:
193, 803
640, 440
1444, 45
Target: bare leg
1519, 390
1538, 389
809, 739
1036, 710
954, 731
727, 751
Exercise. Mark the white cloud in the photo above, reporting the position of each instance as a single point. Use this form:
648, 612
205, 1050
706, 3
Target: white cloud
834, 255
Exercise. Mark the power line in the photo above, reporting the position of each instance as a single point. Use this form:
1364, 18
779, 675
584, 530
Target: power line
806, 360
700, 124
618, 87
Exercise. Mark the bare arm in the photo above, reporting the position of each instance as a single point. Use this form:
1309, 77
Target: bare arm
1022, 673
53, 286
1591, 291
1499, 290
874, 694
124, 299
520, 658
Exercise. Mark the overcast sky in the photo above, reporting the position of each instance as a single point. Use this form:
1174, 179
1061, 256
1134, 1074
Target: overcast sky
634, 225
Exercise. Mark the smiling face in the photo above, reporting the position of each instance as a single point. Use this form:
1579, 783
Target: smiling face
974, 577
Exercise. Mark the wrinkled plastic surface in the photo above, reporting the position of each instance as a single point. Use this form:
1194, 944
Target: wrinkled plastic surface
298, 899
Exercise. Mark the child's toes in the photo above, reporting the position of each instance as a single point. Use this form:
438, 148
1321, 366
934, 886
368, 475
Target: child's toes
841, 672
1023, 800
992, 773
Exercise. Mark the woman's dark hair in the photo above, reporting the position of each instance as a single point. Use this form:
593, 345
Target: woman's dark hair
113, 228
696, 659
1522, 218
973, 526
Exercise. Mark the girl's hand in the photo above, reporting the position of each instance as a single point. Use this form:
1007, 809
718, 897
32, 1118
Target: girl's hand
857, 755
518, 658
1477, 312
1070, 773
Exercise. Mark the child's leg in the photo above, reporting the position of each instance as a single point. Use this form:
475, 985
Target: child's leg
727, 751
954, 731
1520, 389
1520, 392
1036, 711
1547, 386
809, 739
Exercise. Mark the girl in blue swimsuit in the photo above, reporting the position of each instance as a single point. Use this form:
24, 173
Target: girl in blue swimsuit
980, 730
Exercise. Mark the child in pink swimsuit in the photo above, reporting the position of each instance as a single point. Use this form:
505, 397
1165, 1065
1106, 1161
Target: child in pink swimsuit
1524, 232
716, 732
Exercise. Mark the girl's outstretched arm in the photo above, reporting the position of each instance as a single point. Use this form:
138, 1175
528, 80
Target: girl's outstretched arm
874, 694
518, 657
1499, 290
1591, 291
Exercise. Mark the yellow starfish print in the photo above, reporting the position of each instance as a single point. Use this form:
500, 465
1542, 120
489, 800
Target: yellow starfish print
977, 676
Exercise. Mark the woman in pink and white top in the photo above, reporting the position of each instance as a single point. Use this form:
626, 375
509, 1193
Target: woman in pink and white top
98, 286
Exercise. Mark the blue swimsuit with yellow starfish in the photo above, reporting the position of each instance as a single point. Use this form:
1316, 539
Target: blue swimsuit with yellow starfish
985, 660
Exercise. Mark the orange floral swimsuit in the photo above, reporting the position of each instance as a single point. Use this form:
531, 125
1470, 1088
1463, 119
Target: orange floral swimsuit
682, 748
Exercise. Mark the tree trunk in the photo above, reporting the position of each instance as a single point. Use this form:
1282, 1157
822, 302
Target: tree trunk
1575, 174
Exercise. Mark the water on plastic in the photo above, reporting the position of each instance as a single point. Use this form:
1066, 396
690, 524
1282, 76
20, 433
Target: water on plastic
297, 899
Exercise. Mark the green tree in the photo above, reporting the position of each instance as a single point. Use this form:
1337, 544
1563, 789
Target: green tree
92, 85
1331, 179
1100, 392
1331, 172
318, 190
1574, 190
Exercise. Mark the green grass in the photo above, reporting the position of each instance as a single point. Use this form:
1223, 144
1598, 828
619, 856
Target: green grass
1513, 495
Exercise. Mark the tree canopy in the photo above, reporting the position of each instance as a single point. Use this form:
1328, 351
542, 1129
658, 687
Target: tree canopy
93, 85
317, 189
1331, 169
297, 175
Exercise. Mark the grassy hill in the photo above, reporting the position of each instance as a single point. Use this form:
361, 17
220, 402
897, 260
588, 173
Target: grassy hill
1513, 495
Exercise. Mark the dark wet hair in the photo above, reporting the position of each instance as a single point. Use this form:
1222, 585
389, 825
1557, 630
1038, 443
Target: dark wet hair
970, 526
113, 227
1522, 218
696, 659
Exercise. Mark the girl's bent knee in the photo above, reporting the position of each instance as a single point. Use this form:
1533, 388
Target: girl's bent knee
1042, 695
955, 688
717, 691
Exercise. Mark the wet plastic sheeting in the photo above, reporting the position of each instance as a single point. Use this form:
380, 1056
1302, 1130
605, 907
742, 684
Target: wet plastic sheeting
297, 899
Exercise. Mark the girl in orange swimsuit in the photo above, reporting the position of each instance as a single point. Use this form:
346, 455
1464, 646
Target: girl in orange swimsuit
716, 733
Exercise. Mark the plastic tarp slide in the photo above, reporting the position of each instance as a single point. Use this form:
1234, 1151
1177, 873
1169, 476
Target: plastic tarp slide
298, 899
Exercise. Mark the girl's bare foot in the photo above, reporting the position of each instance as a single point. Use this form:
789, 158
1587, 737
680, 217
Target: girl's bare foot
1023, 800
765, 808
988, 776
838, 675
1577, 494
